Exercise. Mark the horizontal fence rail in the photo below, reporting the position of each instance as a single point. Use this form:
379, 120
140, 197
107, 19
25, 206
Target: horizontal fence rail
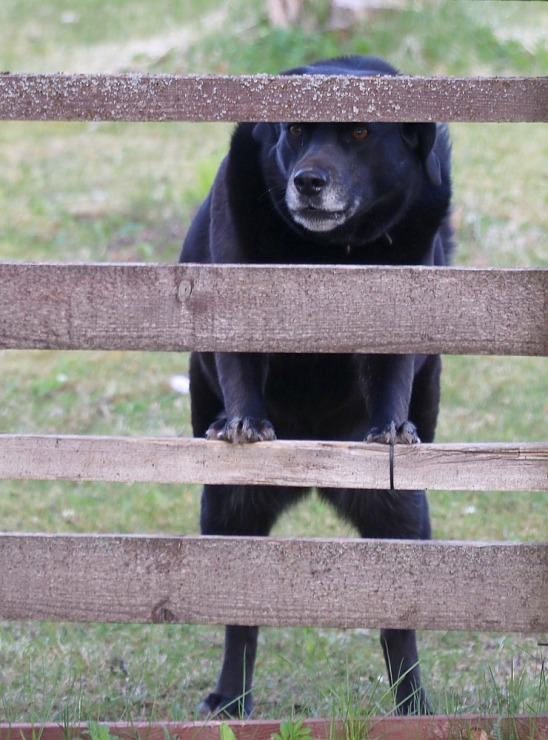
480, 467
340, 309
331, 583
439, 727
134, 97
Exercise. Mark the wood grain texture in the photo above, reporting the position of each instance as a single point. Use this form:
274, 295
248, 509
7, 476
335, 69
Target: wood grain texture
480, 467
439, 727
318, 582
136, 97
252, 308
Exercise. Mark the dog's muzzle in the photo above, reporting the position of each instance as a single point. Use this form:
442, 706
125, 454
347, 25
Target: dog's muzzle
313, 201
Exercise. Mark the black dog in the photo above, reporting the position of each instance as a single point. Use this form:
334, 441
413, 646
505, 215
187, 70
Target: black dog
324, 193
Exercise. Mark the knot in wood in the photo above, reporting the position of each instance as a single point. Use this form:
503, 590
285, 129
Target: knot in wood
161, 614
184, 289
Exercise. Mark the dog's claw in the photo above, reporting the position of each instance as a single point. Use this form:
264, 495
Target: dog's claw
241, 430
405, 434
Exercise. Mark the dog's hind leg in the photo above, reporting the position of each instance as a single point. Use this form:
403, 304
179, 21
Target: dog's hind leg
391, 515
425, 397
232, 695
402, 662
246, 511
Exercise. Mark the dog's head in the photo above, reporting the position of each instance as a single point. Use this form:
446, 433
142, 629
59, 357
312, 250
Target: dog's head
337, 178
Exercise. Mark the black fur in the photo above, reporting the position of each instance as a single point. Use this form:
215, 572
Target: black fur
368, 194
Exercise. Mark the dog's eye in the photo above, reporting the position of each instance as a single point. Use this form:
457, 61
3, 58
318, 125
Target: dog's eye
296, 130
359, 133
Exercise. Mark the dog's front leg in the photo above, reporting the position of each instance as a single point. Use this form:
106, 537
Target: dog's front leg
242, 378
387, 383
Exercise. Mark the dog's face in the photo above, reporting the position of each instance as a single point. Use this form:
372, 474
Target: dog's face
336, 180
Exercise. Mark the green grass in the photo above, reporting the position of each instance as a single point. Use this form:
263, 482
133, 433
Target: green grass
126, 192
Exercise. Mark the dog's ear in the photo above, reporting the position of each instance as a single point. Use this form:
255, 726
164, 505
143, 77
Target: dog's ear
265, 131
422, 137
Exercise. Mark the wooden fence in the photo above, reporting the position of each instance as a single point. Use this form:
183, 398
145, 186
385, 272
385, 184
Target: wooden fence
180, 307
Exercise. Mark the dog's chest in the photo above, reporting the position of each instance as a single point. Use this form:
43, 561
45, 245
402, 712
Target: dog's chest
311, 386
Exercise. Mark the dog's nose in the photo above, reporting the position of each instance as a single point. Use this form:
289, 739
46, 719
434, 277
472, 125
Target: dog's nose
310, 180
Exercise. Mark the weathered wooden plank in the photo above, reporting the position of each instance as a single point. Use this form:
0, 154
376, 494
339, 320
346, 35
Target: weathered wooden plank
321, 582
138, 97
479, 467
438, 727
252, 308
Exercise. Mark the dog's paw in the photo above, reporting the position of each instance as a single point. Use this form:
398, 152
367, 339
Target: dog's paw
389, 434
216, 705
241, 430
